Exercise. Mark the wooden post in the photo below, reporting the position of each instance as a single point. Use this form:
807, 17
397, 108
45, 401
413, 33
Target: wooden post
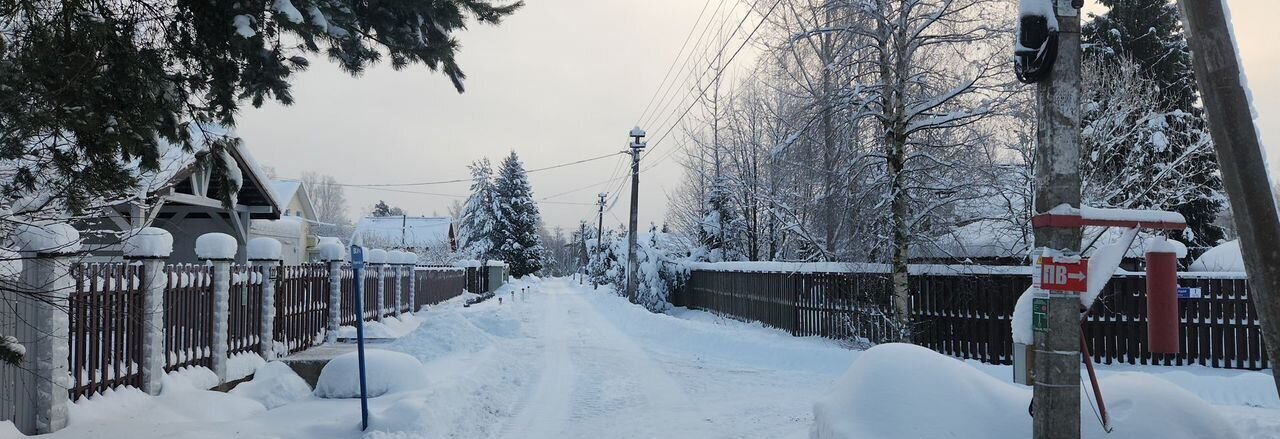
1241, 159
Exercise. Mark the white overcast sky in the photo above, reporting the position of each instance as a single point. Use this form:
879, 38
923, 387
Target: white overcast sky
560, 80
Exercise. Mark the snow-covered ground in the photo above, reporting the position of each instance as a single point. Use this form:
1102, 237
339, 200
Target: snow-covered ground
566, 361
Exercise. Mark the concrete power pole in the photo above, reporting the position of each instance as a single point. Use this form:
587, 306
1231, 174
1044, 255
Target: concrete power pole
1240, 155
1056, 397
633, 268
599, 233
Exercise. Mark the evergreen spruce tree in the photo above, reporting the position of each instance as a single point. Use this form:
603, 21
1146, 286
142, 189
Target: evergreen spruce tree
1169, 137
516, 233
383, 209
479, 215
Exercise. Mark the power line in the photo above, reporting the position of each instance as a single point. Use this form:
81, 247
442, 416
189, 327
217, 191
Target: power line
676, 60
687, 65
703, 91
465, 180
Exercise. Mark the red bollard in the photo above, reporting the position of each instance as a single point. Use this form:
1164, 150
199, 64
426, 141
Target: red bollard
1162, 298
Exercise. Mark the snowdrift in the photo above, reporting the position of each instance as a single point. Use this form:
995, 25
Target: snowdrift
274, 384
385, 372
900, 391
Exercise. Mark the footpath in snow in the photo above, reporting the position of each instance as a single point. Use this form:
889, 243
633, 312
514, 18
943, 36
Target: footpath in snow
564, 361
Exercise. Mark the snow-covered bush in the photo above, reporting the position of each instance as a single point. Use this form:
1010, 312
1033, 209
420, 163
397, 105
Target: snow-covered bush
661, 271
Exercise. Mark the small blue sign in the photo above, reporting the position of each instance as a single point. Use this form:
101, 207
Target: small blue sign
357, 255
1189, 293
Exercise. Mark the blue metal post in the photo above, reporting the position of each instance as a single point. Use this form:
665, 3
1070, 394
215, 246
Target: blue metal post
357, 265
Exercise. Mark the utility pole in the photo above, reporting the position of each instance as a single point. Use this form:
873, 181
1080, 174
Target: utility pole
1056, 397
1240, 156
600, 233
633, 268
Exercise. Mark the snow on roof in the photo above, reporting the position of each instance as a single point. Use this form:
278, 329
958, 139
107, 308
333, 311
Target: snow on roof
175, 162
284, 190
979, 239
399, 231
1226, 257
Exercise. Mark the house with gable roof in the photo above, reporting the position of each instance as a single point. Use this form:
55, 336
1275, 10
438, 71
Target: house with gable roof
294, 228
184, 197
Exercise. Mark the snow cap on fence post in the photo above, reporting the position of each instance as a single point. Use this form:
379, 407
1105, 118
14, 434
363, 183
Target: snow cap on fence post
264, 254
376, 256
151, 246
216, 246
264, 249
148, 242
47, 238
43, 374
220, 249
395, 258
332, 251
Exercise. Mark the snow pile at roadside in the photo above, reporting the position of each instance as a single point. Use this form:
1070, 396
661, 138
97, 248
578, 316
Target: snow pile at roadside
385, 372
243, 364
274, 385
389, 327
900, 390
442, 334
182, 398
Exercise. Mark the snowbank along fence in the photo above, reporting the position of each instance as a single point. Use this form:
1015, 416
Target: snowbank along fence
268, 309
965, 311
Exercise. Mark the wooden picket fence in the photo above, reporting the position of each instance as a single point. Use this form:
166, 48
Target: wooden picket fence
435, 285
302, 306
968, 315
106, 317
106, 328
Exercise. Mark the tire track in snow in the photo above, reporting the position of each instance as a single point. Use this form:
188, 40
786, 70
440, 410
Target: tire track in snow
546, 408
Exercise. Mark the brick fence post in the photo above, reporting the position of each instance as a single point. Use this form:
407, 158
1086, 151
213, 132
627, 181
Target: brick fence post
150, 246
39, 323
397, 270
264, 253
413, 275
335, 300
219, 249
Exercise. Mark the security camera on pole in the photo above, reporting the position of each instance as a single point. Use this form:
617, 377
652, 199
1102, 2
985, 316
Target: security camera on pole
637, 145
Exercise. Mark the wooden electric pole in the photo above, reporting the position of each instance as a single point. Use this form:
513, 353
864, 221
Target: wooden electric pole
599, 235
633, 267
1241, 159
1056, 397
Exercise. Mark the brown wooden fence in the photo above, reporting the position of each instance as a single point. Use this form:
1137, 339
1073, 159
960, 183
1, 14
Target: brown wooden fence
302, 305
348, 301
106, 328
433, 285
106, 317
245, 306
968, 315
188, 316
389, 293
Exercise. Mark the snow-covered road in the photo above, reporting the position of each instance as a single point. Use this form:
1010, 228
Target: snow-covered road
564, 361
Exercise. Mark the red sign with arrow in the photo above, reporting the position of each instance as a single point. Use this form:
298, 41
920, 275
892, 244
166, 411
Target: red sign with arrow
1072, 276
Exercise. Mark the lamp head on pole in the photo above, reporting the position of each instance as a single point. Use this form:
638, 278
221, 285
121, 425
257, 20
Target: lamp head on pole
637, 138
